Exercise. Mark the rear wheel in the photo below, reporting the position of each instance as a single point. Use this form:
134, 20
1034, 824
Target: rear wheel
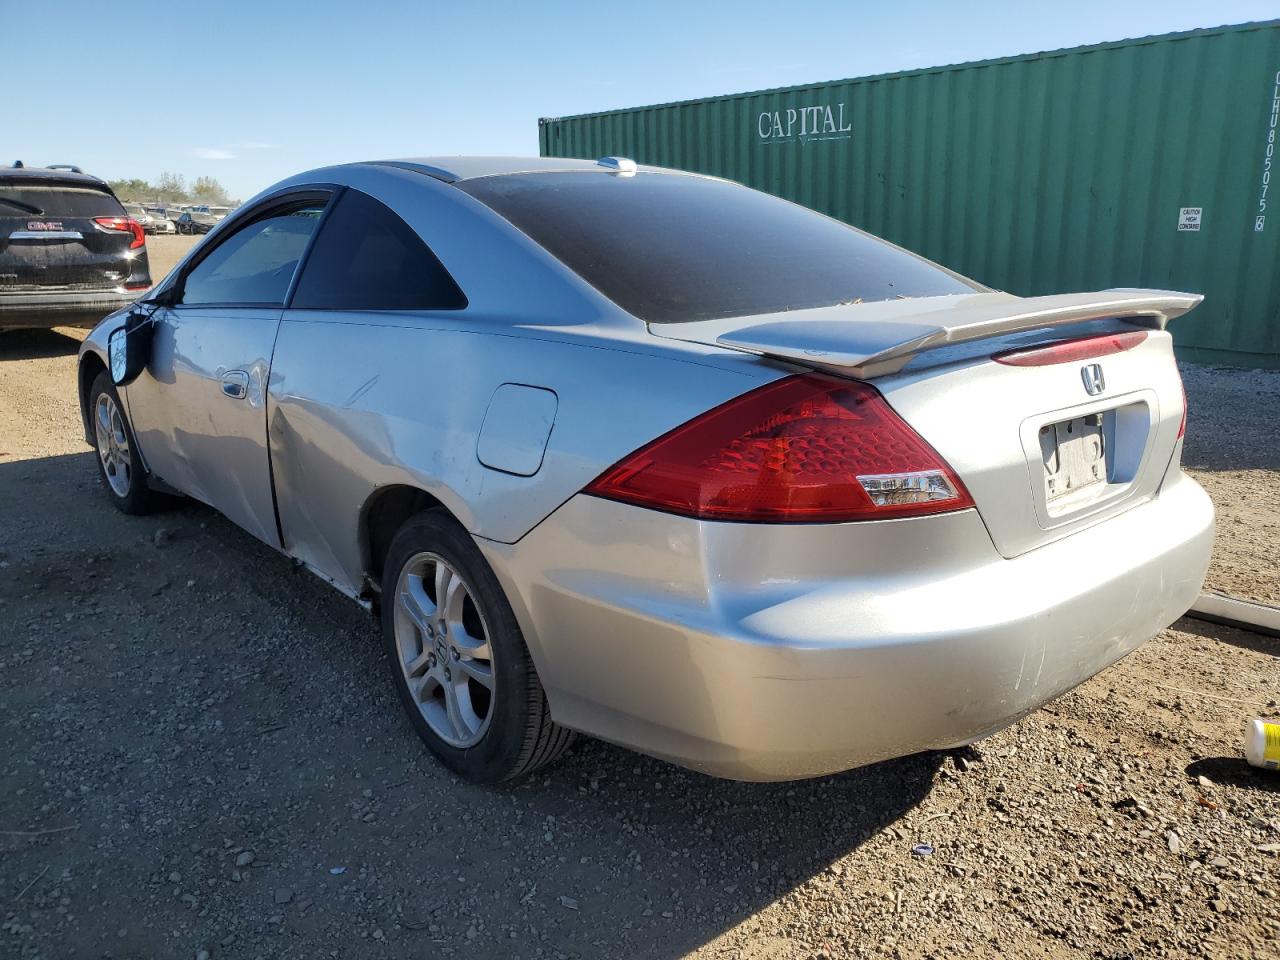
458, 659
119, 467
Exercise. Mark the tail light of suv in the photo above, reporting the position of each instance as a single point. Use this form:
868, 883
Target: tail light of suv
124, 225
810, 448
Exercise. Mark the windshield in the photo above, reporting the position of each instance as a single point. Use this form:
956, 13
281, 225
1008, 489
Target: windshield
670, 248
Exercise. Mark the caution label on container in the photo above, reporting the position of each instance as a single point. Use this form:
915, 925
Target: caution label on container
1189, 219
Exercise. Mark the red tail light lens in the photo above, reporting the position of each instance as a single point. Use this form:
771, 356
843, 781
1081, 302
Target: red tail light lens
1182, 427
805, 449
125, 225
1069, 351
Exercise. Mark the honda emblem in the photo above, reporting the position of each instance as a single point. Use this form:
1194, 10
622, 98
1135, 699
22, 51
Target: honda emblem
1094, 382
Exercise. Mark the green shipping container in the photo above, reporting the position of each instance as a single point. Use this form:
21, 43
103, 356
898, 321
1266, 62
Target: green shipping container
1141, 163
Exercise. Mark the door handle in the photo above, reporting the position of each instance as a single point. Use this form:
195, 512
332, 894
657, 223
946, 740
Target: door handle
235, 384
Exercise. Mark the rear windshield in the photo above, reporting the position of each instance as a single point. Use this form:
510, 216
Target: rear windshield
671, 248
33, 200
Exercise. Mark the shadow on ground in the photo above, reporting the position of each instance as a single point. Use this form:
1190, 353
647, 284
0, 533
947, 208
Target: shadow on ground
1234, 772
178, 698
1244, 639
35, 344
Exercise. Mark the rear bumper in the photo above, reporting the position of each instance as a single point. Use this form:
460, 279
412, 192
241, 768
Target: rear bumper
62, 308
779, 652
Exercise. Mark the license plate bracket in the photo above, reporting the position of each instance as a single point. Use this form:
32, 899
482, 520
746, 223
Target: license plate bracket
1075, 455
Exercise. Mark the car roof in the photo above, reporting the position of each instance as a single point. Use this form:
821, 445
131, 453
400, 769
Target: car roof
455, 169
47, 174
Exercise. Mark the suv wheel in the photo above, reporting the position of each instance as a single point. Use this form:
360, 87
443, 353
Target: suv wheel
458, 659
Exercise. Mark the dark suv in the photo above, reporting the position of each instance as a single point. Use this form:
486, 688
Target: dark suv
69, 254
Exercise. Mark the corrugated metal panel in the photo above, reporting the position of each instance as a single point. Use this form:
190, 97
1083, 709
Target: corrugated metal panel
1040, 174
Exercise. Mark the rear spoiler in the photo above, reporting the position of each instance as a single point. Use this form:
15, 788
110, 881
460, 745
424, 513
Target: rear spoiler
875, 339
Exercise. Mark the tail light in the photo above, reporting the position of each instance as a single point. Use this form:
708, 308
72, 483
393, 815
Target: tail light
1069, 351
1182, 427
124, 225
806, 449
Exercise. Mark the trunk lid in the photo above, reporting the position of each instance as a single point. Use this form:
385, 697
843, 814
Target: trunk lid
49, 240
1043, 450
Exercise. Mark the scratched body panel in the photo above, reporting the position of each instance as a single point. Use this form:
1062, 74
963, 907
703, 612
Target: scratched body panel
396, 399
193, 436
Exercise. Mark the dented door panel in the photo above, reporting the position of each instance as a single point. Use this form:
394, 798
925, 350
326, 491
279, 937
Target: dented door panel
193, 433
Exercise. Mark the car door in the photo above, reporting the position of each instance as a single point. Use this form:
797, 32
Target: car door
340, 371
199, 410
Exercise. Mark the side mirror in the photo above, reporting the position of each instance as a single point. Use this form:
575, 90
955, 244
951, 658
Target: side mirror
129, 347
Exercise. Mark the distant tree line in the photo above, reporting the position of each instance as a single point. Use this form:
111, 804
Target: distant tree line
173, 188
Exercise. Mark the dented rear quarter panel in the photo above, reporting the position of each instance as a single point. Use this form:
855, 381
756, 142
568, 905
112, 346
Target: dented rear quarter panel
360, 404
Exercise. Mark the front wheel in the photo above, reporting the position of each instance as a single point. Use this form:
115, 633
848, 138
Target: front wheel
458, 658
119, 466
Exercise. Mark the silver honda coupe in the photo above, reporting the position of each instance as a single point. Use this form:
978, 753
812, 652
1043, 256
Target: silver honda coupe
658, 458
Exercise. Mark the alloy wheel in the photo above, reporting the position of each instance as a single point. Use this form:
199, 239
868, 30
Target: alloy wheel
113, 445
442, 647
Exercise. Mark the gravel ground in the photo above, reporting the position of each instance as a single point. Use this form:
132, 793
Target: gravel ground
205, 758
1233, 449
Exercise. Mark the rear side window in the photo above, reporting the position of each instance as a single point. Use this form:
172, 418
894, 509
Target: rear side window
50, 201
256, 263
670, 248
367, 258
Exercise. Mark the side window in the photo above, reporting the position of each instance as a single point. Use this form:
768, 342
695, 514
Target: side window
367, 258
256, 263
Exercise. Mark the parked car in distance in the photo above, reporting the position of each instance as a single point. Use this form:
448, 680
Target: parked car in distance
191, 221
661, 459
136, 211
69, 253
151, 224
215, 211
161, 221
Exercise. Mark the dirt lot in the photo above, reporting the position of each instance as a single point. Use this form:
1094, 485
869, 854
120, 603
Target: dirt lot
204, 757
164, 252
1233, 449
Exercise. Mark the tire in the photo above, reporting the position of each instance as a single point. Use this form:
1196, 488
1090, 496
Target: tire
439, 674
123, 476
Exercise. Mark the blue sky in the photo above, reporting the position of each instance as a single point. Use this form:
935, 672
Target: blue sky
251, 92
